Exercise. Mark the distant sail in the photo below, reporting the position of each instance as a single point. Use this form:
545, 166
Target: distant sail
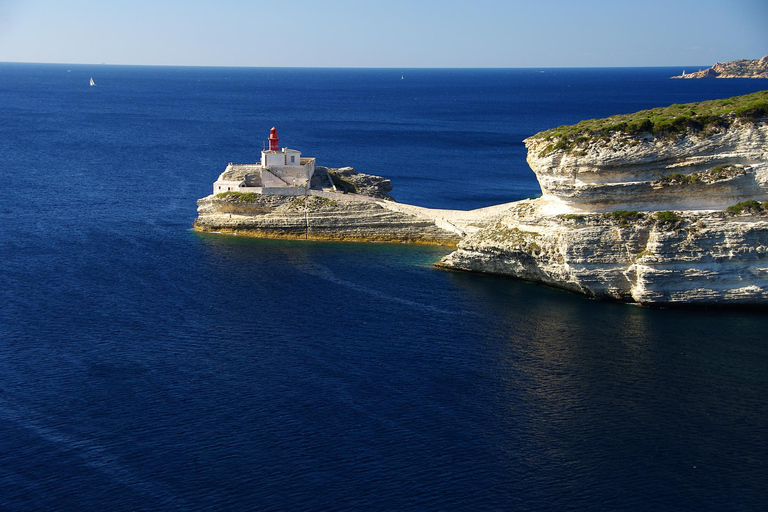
93, 84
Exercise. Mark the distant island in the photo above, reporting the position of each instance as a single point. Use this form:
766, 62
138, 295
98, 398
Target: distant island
735, 69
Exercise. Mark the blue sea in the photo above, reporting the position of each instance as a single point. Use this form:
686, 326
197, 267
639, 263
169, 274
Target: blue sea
144, 366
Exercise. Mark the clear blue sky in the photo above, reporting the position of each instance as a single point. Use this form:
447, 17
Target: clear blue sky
392, 33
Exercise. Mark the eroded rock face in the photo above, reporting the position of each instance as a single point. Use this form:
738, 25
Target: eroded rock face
649, 258
633, 172
639, 219
315, 218
371, 185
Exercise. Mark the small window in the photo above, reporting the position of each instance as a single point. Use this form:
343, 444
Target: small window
293, 159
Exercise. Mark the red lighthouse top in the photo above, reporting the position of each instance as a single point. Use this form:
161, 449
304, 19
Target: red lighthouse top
273, 139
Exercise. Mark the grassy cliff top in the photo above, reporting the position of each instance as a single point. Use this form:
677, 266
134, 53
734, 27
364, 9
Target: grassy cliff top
671, 121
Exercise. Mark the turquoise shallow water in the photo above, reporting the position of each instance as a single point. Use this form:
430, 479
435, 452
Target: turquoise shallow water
144, 366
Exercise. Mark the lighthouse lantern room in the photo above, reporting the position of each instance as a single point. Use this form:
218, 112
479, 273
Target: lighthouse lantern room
273, 139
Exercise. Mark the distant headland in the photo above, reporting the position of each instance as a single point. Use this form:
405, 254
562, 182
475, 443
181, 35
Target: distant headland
744, 68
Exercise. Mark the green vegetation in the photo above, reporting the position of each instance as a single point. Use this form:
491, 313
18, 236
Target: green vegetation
298, 202
722, 172
324, 201
680, 178
666, 122
750, 206
248, 197
668, 218
624, 217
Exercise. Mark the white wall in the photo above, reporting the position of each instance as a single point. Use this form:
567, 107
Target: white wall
309, 167
220, 186
292, 156
295, 174
272, 159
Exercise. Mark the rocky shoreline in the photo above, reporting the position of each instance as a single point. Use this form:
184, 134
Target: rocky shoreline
344, 217
661, 218
744, 68
644, 209
661, 258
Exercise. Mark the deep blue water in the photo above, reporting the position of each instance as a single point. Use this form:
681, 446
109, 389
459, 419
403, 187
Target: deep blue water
144, 366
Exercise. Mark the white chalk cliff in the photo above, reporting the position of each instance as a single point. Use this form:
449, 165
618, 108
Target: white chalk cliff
665, 206
640, 218
638, 172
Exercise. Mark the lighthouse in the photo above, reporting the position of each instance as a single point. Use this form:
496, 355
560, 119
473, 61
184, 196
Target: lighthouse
280, 172
273, 139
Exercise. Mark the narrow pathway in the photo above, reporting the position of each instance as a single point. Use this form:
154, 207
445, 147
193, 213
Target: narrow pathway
461, 222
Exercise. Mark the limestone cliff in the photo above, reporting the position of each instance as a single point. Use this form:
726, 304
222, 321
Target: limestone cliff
637, 213
734, 69
708, 170
333, 217
644, 257
341, 204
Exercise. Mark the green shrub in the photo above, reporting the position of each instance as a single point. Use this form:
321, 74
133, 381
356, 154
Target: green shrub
248, 197
624, 217
753, 110
667, 217
750, 206
681, 178
668, 122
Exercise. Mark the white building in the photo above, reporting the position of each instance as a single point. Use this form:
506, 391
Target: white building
280, 172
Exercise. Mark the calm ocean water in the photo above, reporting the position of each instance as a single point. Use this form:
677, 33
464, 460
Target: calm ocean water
144, 366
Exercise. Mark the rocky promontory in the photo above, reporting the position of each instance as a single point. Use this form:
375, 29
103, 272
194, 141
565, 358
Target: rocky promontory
312, 217
666, 206
341, 205
744, 68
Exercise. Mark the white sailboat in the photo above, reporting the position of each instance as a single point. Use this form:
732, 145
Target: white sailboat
93, 84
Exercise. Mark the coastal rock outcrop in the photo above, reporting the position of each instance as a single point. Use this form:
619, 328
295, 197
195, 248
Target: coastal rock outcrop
662, 207
701, 171
642, 257
744, 68
348, 180
359, 209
